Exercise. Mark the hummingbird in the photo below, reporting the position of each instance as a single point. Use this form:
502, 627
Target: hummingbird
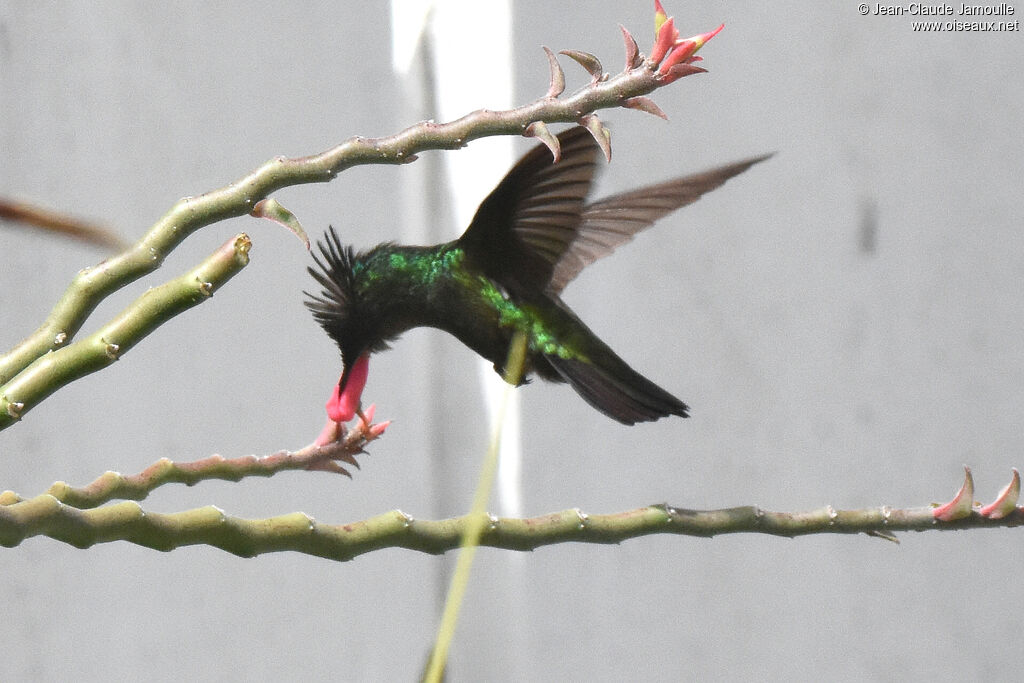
529, 238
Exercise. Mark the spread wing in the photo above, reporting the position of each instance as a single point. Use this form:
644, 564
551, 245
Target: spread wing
606, 224
534, 233
523, 228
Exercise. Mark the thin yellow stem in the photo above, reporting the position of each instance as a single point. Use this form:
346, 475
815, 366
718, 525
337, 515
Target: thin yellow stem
478, 519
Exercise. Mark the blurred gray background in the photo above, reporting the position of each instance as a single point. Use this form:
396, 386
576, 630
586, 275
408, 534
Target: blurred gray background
845, 321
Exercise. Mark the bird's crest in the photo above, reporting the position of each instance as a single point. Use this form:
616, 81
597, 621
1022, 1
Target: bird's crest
334, 307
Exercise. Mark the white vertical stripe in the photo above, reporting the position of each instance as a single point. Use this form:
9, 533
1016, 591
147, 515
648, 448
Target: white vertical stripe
472, 44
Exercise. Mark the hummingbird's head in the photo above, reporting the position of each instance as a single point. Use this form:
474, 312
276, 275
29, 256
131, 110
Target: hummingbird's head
337, 309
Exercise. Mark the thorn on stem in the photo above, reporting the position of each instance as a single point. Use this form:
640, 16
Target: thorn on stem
557, 75
588, 61
679, 71
539, 130
962, 503
884, 535
329, 466
633, 58
1006, 501
601, 134
272, 210
644, 104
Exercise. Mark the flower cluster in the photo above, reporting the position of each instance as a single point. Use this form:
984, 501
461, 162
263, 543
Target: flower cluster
674, 57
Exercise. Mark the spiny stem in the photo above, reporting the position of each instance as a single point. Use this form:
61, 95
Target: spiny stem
158, 305
114, 485
44, 515
239, 198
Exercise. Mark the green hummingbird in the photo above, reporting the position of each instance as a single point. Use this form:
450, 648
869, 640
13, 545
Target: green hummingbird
529, 238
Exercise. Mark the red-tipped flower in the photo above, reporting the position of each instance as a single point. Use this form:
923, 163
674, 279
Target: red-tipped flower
669, 51
342, 405
660, 17
683, 50
665, 37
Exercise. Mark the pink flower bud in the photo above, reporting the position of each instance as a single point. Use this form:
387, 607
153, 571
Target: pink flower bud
378, 429
667, 35
329, 434
683, 50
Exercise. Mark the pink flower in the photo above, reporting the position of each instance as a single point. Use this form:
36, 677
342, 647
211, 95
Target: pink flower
669, 53
342, 405
683, 50
665, 36
377, 429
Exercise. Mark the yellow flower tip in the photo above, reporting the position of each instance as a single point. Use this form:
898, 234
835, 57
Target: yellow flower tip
705, 37
660, 17
667, 36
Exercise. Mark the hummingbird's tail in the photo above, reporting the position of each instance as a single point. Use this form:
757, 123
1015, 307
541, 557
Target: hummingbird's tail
617, 390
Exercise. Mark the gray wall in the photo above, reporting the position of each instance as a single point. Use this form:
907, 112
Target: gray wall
819, 371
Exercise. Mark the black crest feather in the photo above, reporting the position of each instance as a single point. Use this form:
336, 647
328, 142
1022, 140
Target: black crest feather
333, 307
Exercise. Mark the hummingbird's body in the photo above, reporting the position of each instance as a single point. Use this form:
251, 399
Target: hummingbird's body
441, 287
446, 288
505, 274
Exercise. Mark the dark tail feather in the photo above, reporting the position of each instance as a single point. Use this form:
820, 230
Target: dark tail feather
618, 391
